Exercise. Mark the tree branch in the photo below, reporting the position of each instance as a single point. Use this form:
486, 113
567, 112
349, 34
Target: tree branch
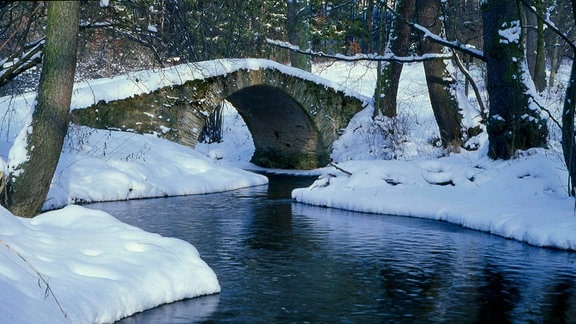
348, 173
551, 25
17, 65
362, 57
474, 86
439, 40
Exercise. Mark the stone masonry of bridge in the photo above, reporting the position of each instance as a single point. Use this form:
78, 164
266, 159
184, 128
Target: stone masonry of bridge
293, 120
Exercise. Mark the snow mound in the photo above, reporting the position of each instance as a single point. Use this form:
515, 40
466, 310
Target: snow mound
84, 266
101, 165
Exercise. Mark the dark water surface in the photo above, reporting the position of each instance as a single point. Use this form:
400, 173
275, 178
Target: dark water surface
280, 261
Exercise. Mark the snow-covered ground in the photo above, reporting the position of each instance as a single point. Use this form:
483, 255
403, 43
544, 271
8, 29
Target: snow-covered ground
93, 268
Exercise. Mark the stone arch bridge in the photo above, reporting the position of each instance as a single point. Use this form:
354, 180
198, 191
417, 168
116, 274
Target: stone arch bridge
293, 116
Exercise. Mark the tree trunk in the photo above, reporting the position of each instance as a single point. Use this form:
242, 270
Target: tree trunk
297, 27
568, 145
31, 179
369, 42
441, 84
553, 55
535, 51
512, 123
388, 74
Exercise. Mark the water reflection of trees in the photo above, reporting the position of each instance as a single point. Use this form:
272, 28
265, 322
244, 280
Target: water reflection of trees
429, 285
497, 298
560, 300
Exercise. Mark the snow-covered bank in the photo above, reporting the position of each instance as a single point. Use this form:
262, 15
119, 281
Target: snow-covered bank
523, 199
78, 265
98, 165
99, 269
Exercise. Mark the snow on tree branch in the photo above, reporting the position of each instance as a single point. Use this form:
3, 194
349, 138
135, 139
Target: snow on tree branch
550, 24
19, 62
464, 48
362, 57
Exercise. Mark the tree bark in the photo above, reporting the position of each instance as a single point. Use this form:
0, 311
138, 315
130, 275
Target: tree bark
31, 179
512, 123
441, 84
554, 58
388, 74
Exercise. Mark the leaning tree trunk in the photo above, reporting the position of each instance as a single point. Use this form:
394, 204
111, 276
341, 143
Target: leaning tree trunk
441, 84
30, 179
388, 74
512, 123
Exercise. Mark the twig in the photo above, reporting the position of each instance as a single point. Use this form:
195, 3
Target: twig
40, 276
348, 173
537, 103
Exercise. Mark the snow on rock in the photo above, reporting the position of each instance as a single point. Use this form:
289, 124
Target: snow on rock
97, 268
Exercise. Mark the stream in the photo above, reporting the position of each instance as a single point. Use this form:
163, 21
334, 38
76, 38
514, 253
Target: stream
281, 261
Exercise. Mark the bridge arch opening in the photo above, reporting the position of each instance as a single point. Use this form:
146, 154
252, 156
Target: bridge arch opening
283, 133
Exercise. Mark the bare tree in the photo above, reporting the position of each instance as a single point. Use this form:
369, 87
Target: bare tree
535, 51
21, 42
